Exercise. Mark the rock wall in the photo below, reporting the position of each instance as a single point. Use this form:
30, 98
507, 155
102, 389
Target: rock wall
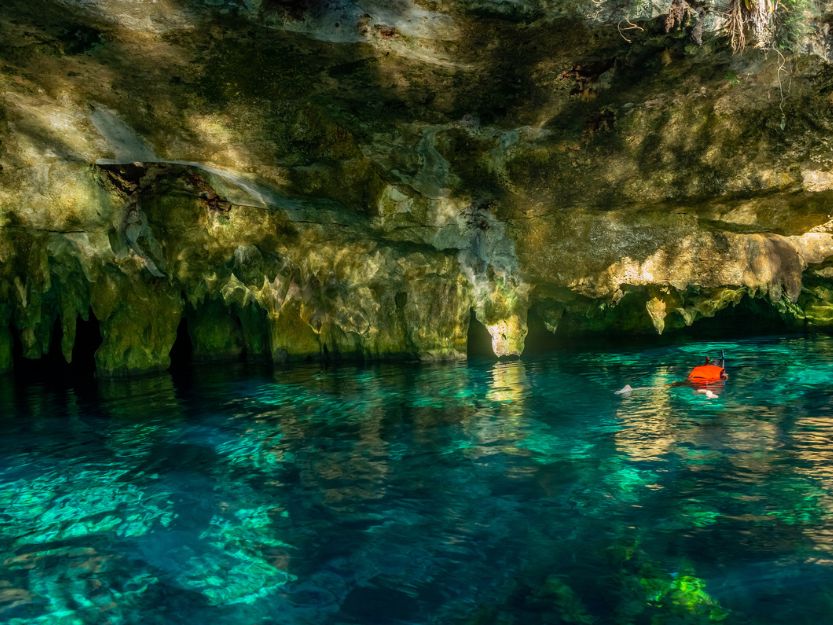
299, 179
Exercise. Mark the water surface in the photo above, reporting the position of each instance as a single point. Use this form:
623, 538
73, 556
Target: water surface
515, 492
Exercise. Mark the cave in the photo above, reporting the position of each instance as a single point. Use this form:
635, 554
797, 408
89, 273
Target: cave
87, 341
749, 317
539, 340
182, 352
479, 341
52, 366
48, 367
243, 189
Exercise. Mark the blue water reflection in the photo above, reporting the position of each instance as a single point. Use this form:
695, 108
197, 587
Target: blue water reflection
511, 492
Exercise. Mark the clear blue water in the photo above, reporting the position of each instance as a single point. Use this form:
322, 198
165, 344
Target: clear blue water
519, 492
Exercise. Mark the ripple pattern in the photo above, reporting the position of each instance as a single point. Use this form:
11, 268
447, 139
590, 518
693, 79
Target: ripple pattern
513, 492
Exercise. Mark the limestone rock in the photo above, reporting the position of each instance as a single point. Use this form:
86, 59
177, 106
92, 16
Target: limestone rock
352, 179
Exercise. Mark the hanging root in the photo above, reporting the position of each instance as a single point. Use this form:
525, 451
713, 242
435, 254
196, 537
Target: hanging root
629, 26
736, 26
678, 14
757, 17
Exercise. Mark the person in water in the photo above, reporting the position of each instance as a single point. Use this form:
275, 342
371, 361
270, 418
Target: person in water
701, 376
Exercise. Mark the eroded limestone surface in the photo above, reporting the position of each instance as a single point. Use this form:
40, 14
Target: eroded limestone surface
353, 178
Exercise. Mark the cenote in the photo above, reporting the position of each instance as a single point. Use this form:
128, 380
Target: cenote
315, 312
491, 492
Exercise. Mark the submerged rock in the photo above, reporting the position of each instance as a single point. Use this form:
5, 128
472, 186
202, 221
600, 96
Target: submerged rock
353, 179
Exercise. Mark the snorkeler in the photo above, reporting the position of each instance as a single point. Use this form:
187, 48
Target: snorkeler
701, 377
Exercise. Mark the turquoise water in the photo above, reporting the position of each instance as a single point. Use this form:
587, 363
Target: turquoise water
520, 492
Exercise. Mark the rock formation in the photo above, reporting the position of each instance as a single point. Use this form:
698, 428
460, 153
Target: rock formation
352, 178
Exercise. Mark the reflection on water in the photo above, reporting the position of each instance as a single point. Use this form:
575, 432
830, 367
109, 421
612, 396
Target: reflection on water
647, 419
512, 492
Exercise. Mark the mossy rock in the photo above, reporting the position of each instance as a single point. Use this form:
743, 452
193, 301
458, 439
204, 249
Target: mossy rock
215, 332
141, 327
5, 349
292, 338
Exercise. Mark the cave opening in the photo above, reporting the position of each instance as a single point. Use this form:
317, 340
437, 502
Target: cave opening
479, 341
87, 341
48, 367
182, 351
749, 317
52, 366
539, 340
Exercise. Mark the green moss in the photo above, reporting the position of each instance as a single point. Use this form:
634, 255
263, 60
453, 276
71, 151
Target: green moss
71, 290
5, 349
682, 596
34, 310
216, 334
291, 337
791, 24
568, 605
816, 302
254, 328
138, 322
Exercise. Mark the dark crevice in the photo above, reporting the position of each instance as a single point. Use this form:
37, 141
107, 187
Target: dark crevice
239, 333
401, 300
538, 340
127, 177
479, 343
48, 367
52, 367
182, 352
87, 341
750, 317
622, 327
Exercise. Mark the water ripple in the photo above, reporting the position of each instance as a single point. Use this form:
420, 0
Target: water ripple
511, 492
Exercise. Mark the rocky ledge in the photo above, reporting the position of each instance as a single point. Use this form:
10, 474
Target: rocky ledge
368, 179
